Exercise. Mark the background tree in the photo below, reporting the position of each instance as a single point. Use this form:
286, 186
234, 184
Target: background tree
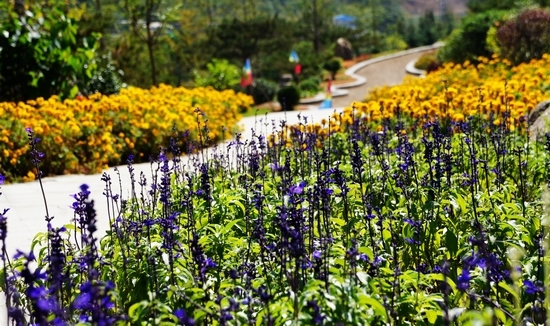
469, 41
39, 52
477, 6
141, 15
316, 16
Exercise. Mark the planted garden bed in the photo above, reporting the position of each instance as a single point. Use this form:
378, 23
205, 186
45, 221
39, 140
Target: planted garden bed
426, 205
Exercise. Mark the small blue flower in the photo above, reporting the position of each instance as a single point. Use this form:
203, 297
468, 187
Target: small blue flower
183, 318
464, 280
317, 254
533, 287
82, 301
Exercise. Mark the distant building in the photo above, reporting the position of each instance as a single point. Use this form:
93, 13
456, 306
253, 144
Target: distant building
345, 21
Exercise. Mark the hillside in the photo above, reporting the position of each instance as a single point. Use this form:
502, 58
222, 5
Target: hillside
418, 7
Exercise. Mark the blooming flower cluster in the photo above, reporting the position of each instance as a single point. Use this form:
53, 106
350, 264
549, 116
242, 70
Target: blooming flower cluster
85, 135
492, 88
390, 221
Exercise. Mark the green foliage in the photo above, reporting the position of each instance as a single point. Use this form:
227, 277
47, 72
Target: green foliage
106, 80
427, 29
220, 75
469, 41
310, 86
394, 42
428, 32
288, 97
40, 55
311, 64
333, 66
425, 61
264, 90
478, 6
491, 41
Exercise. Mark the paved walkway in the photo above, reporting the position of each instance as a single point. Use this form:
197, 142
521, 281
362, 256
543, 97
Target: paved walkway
388, 72
27, 209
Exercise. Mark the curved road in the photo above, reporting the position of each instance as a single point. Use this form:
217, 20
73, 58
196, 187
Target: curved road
388, 72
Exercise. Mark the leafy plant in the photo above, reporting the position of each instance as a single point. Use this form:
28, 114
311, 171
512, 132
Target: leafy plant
333, 66
40, 55
264, 90
288, 97
468, 42
220, 75
310, 86
107, 79
425, 60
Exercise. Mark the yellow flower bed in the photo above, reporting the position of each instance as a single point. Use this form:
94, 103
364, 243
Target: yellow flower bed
86, 135
493, 87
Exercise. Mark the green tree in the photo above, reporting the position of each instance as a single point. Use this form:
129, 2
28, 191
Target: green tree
220, 75
477, 6
39, 52
148, 19
427, 29
469, 41
316, 16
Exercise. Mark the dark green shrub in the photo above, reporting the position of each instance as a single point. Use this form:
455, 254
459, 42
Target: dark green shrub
288, 97
485, 5
264, 90
525, 37
310, 86
470, 40
332, 66
40, 54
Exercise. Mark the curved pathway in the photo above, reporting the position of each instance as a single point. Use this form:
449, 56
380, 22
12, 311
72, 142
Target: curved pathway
388, 72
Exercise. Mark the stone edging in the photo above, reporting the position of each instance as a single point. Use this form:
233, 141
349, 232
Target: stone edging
410, 69
360, 80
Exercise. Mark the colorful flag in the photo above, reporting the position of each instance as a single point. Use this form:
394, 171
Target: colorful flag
247, 79
293, 57
327, 103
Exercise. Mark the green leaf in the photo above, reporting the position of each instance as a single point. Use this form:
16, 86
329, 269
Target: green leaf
461, 203
509, 289
339, 221
451, 241
432, 315
134, 312
378, 308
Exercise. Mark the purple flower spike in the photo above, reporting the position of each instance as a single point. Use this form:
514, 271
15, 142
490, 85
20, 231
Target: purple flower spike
464, 280
317, 254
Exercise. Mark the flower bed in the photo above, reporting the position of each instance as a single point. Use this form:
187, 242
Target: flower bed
441, 220
87, 134
458, 91
385, 226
